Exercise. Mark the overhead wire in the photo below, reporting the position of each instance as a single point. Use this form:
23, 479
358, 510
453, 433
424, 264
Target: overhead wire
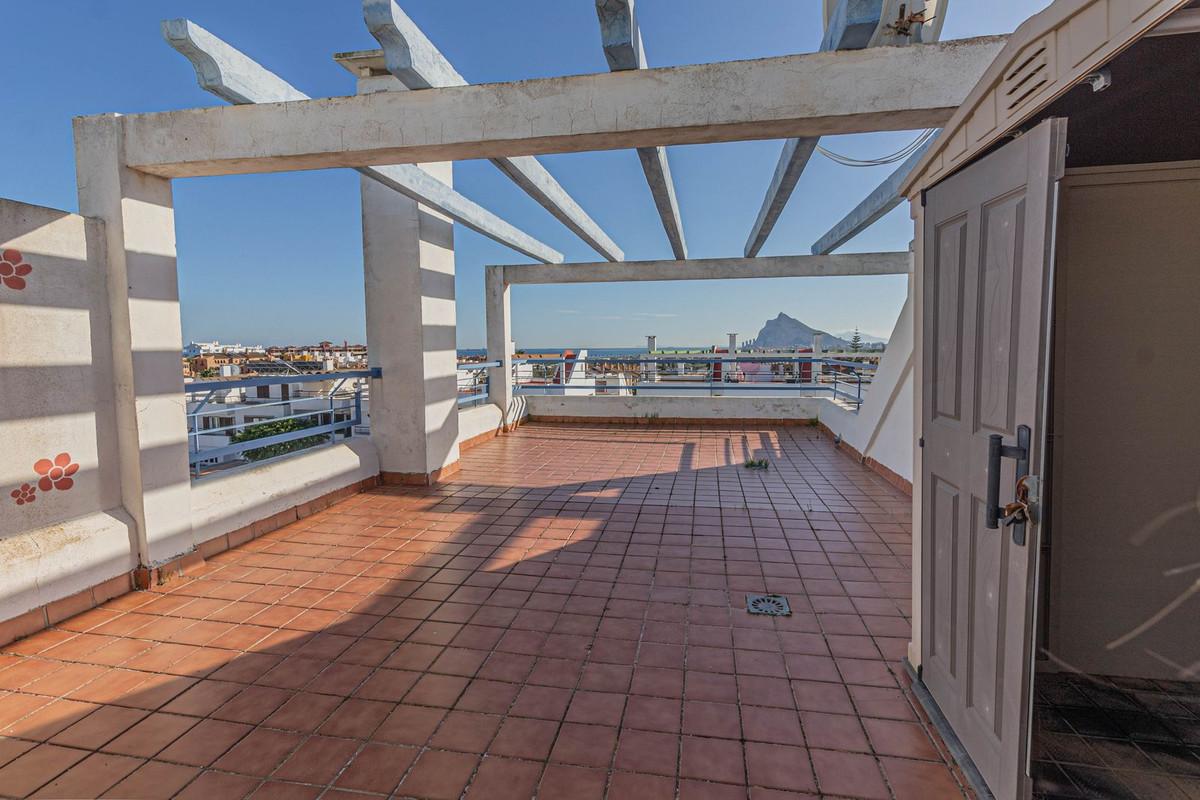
891, 158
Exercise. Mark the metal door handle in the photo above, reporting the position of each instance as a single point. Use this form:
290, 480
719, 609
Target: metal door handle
996, 451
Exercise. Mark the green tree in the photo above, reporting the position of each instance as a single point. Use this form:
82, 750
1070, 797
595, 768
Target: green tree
856, 342
208, 373
274, 428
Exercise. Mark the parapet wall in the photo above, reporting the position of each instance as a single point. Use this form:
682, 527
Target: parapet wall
62, 526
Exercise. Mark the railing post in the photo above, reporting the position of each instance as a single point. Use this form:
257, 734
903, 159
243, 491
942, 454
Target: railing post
498, 309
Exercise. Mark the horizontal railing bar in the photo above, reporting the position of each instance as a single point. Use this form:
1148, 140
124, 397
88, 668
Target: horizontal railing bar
702, 360
669, 387
268, 380
225, 409
267, 441
468, 366
244, 425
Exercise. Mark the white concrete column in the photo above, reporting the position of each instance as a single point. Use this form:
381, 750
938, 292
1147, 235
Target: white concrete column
408, 265
498, 312
818, 347
143, 295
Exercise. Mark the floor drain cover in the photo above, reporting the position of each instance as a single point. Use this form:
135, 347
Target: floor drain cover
775, 605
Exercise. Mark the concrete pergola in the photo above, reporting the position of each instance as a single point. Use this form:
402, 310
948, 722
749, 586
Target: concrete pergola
413, 115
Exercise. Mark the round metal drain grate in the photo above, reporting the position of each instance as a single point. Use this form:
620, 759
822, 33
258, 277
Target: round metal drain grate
775, 605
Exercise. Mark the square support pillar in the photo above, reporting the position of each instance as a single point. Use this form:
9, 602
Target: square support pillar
408, 265
143, 294
498, 313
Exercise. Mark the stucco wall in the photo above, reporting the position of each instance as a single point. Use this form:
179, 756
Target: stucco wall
651, 408
883, 427
59, 452
225, 503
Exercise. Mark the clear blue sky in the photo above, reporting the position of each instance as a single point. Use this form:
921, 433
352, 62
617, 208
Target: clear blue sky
277, 258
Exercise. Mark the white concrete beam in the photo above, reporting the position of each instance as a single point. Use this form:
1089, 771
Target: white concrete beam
882, 199
624, 50
418, 64
696, 269
225, 71
853, 24
801, 95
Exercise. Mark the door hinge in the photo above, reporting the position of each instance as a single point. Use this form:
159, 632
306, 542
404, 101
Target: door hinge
921, 442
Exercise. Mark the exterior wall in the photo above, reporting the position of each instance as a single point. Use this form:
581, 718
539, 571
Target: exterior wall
482, 420
56, 397
669, 409
225, 503
882, 430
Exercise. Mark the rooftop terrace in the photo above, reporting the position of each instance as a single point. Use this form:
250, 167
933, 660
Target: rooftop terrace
567, 614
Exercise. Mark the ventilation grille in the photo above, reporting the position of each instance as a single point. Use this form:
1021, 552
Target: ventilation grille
1031, 72
775, 605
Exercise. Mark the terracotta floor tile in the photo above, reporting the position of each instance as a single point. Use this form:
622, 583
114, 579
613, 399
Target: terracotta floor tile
304, 712
711, 759
40, 765
12, 748
779, 767
505, 779
318, 760
917, 780
711, 719
210, 785
848, 774
562, 782
584, 745
776, 725
146, 738
279, 790
377, 768
648, 752
439, 775
653, 714
641, 787
834, 732
50, 719
523, 737
356, 719
154, 780
205, 742
91, 776
895, 738
466, 732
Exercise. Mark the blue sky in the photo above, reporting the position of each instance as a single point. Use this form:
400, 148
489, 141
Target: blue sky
277, 258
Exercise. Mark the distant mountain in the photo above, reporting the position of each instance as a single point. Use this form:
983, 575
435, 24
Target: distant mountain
785, 332
866, 337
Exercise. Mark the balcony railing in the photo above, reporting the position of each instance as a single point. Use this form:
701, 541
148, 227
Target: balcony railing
241, 421
473, 383
713, 375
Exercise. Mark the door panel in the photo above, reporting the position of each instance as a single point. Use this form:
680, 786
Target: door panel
986, 284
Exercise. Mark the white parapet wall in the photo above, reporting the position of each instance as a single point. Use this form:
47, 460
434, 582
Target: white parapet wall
652, 408
225, 503
62, 526
882, 428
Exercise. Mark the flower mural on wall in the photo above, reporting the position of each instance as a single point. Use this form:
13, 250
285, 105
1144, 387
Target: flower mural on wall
56, 474
25, 494
13, 269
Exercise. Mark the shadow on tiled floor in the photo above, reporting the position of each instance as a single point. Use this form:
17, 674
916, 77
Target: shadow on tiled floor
1118, 738
566, 617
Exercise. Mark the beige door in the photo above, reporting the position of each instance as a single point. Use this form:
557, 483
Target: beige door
987, 244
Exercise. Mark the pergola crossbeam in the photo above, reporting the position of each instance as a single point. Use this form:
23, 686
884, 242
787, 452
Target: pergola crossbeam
417, 63
696, 104
796, 266
230, 74
624, 50
882, 199
853, 25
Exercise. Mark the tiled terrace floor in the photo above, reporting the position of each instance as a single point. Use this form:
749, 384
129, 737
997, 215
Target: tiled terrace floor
566, 618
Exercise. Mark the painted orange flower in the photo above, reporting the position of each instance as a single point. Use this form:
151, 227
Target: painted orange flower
56, 474
13, 269
25, 494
